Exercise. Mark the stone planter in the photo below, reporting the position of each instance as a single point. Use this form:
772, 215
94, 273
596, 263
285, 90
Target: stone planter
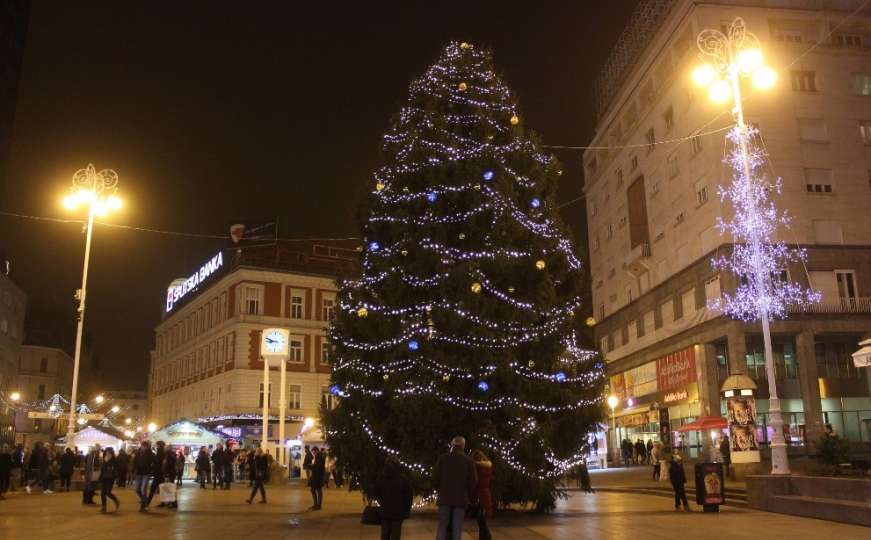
847, 500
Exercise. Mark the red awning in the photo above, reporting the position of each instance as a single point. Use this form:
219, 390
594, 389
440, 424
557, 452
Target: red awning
704, 424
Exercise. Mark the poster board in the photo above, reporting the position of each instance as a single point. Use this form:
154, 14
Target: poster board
741, 414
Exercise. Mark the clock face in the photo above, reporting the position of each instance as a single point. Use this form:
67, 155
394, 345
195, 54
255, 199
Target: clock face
275, 342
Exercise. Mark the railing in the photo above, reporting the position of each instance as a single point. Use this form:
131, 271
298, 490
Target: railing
634, 262
836, 305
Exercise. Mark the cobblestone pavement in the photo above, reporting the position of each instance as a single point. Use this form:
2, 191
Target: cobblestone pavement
208, 514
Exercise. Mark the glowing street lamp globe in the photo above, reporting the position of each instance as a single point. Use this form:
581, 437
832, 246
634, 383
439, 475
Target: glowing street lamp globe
764, 78
613, 401
115, 408
152, 427
99, 399
15, 396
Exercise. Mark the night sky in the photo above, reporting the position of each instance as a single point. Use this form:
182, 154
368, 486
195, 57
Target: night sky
215, 112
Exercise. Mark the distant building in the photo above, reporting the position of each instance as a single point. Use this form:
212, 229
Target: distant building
652, 214
133, 404
42, 373
206, 363
13, 305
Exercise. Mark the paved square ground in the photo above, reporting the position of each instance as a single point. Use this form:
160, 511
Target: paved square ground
208, 514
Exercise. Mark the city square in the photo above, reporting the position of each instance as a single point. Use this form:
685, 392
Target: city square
391, 269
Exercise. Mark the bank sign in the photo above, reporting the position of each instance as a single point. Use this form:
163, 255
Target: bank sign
177, 290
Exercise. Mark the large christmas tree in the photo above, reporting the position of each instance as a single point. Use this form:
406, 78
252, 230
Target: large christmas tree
462, 322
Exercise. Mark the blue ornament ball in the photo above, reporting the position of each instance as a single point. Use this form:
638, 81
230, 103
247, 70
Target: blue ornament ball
483, 386
560, 377
535, 203
374, 246
413, 345
334, 389
431, 197
488, 175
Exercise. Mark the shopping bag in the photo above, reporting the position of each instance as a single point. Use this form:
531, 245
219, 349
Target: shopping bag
167, 492
371, 516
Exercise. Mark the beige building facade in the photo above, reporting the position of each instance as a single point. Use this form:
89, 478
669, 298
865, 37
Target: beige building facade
43, 372
653, 205
206, 364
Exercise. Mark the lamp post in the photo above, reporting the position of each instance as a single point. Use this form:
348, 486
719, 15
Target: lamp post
733, 57
612, 402
97, 191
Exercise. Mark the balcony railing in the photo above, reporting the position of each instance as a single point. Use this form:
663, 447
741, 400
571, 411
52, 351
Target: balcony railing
836, 305
637, 260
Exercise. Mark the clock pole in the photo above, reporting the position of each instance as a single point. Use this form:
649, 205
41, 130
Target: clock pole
265, 437
281, 450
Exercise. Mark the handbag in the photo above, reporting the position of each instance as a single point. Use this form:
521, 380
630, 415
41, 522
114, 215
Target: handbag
371, 515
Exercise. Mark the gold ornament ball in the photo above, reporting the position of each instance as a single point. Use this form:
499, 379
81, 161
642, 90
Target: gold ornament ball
511, 290
465, 45
591, 321
477, 187
559, 172
379, 186
461, 236
476, 287
386, 376
362, 313
404, 252
446, 378
514, 120
462, 86
540, 264
531, 363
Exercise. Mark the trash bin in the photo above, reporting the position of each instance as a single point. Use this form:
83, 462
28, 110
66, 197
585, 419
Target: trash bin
710, 486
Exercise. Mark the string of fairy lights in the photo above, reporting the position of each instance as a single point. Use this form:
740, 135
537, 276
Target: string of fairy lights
495, 196
756, 218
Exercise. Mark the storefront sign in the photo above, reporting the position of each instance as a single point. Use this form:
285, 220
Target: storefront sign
636, 382
177, 291
637, 419
677, 395
741, 411
676, 370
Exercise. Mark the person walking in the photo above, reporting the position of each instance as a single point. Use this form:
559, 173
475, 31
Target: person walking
307, 464
92, 475
157, 472
640, 452
122, 462
229, 458
17, 467
726, 455
454, 478
218, 467
393, 493
67, 462
678, 480
649, 450
655, 455
53, 471
5, 470
143, 467
179, 467
37, 466
260, 475
316, 480
203, 468
484, 471
108, 474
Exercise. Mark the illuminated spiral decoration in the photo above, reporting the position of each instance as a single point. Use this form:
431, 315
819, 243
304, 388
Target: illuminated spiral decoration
103, 182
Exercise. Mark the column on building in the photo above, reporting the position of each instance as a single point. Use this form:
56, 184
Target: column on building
737, 349
709, 388
810, 387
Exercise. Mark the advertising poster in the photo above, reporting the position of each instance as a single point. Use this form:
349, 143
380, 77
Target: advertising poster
709, 484
676, 370
741, 412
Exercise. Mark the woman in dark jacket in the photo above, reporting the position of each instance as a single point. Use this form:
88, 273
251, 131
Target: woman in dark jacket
123, 461
260, 475
393, 493
108, 472
484, 468
203, 467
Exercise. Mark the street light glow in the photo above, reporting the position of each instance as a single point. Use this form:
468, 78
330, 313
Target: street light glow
116, 408
128, 421
152, 427
99, 399
704, 75
15, 396
764, 78
613, 401
115, 202
749, 60
720, 91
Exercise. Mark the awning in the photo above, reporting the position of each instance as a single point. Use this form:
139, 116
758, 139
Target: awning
862, 357
704, 424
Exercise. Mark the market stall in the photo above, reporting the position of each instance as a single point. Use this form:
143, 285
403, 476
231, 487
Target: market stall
187, 436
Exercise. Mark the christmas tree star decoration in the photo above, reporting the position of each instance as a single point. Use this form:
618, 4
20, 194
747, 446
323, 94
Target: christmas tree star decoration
454, 325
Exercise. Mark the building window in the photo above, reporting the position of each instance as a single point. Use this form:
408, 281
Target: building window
803, 81
633, 163
673, 168
601, 312
251, 301
609, 232
294, 397
721, 354
680, 218
260, 403
40, 392
846, 280
818, 180
701, 192
295, 349
787, 36
328, 398
596, 243
813, 130
712, 289
43, 365
650, 139
603, 345
669, 118
865, 131
834, 360
862, 84
696, 143
326, 352
594, 209
785, 361
619, 174
328, 310
37, 425
296, 307
849, 41
828, 232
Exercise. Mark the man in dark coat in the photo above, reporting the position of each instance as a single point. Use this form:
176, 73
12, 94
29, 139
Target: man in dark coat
307, 463
318, 475
454, 478
678, 480
229, 458
92, 475
143, 467
393, 493
17, 467
121, 468
5, 470
218, 458
157, 472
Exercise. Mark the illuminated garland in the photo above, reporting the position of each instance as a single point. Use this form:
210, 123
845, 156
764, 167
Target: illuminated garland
753, 228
